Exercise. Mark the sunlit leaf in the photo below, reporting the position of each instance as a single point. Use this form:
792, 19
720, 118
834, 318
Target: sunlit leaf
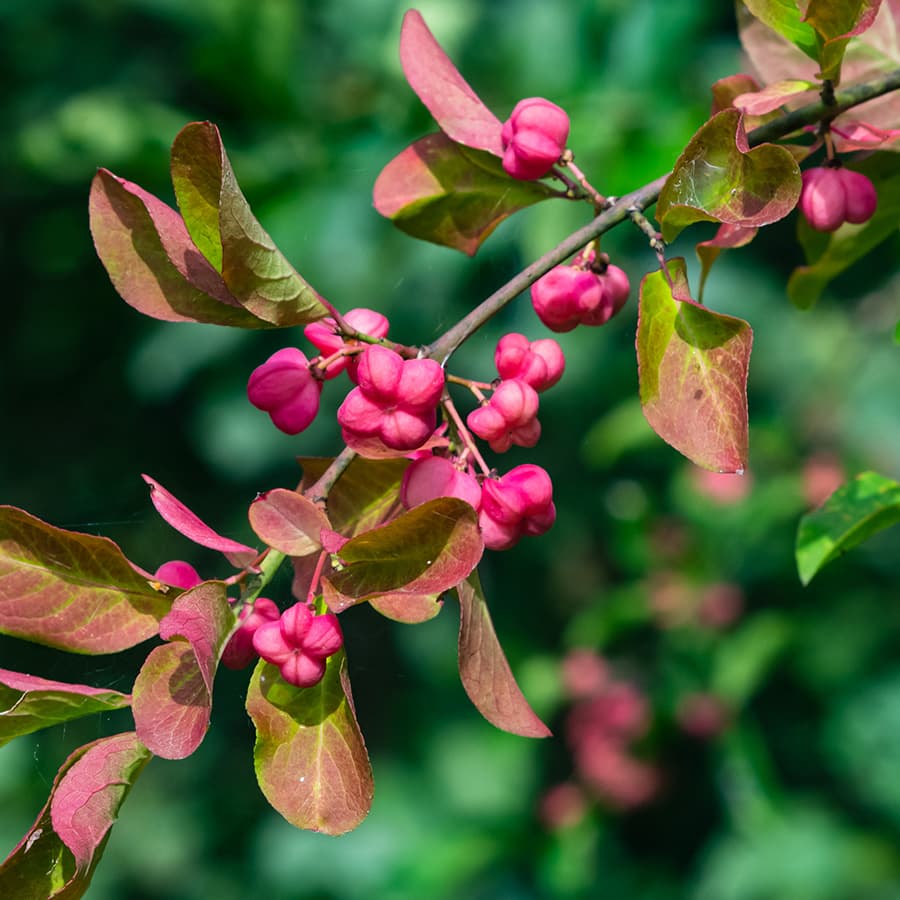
456, 108
411, 609
310, 758
773, 96
288, 521
835, 22
173, 690
726, 90
484, 671
29, 703
692, 367
73, 591
151, 260
57, 857
784, 17
440, 191
426, 550
718, 179
853, 513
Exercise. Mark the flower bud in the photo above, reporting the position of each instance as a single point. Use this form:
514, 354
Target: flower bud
533, 138
284, 387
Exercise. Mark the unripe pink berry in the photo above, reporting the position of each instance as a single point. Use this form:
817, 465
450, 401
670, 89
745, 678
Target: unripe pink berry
831, 196
326, 339
284, 387
861, 197
509, 417
179, 574
239, 652
563, 296
435, 476
518, 503
533, 138
538, 363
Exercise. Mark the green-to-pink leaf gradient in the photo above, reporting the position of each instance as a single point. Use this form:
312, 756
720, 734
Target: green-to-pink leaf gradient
58, 856
441, 191
484, 670
29, 703
173, 691
288, 521
718, 178
310, 758
692, 367
854, 512
72, 591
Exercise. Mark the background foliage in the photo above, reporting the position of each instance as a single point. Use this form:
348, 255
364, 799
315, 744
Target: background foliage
798, 798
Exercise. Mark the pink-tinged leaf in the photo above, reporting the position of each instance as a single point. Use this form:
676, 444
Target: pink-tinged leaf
853, 135
310, 757
288, 521
364, 497
440, 191
59, 854
692, 367
73, 591
411, 609
835, 22
29, 703
305, 568
774, 96
426, 550
456, 108
192, 527
828, 255
484, 670
151, 260
719, 179
726, 89
784, 18
173, 691
728, 237
221, 223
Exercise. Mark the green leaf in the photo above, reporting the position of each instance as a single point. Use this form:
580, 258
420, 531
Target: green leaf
151, 260
29, 703
852, 514
173, 691
288, 521
310, 757
784, 17
692, 367
828, 255
411, 609
484, 670
835, 22
73, 591
221, 224
718, 178
426, 550
440, 191
57, 857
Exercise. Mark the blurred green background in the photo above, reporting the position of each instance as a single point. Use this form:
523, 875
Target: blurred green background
791, 793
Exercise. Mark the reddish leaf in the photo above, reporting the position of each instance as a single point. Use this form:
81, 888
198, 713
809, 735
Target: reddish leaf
456, 108
151, 260
440, 191
718, 178
29, 703
73, 591
173, 690
726, 89
426, 550
310, 758
855, 135
288, 521
192, 527
411, 609
58, 855
774, 96
221, 223
483, 668
692, 366
728, 237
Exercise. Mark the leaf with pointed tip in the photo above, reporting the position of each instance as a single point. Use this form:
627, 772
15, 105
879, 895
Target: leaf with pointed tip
440, 191
728, 237
718, 178
76, 592
219, 220
835, 22
364, 497
426, 550
773, 96
173, 691
828, 255
456, 108
410, 609
57, 857
176, 514
288, 521
29, 703
852, 514
152, 261
692, 368
310, 757
783, 17
484, 670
